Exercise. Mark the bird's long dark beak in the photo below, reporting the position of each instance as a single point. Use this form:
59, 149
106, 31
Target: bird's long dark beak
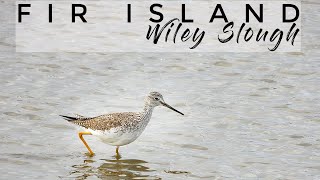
168, 106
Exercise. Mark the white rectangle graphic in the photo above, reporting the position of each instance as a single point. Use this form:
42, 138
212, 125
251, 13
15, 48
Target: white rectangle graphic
158, 26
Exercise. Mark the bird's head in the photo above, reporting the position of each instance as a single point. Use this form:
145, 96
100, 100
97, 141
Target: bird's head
156, 99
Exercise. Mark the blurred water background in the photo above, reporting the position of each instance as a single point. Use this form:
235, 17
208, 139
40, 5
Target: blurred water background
248, 115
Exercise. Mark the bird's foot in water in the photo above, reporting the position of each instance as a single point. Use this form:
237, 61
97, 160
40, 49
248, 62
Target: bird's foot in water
89, 154
117, 156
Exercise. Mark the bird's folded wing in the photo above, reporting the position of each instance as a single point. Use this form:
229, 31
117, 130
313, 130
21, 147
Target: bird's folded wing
103, 122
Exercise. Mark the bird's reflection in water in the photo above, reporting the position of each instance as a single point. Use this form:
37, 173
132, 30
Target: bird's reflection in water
116, 168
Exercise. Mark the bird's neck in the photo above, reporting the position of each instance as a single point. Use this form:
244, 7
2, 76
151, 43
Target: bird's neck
147, 109
145, 117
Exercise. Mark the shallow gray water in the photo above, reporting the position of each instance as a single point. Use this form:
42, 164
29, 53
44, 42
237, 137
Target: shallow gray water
248, 116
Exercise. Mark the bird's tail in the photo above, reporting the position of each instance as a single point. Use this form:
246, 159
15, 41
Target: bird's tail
69, 118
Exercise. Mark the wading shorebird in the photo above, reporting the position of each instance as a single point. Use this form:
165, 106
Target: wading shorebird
119, 129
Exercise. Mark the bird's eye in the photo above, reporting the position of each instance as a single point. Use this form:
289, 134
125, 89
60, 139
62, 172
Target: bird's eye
156, 98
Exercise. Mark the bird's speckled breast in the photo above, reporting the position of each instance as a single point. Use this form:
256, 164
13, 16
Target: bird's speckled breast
128, 133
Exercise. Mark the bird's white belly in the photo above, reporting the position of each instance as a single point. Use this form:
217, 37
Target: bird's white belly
117, 138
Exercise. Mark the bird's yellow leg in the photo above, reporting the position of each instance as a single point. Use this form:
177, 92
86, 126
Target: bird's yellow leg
117, 150
117, 156
84, 142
